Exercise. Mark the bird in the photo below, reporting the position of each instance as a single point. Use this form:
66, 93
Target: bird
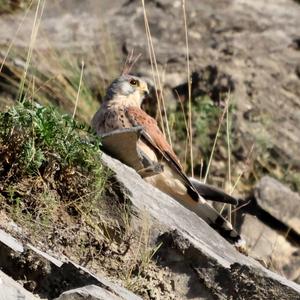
120, 109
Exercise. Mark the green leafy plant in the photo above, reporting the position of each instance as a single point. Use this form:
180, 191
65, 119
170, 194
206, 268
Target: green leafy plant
42, 152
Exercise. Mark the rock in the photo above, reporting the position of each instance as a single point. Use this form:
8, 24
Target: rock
255, 43
49, 276
11, 242
91, 292
279, 201
248, 41
271, 248
12, 290
191, 247
200, 262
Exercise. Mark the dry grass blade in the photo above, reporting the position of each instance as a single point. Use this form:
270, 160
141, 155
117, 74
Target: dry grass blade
238, 208
190, 129
78, 91
201, 169
15, 35
186, 125
244, 169
239, 178
228, 144
130, 62
229, 159
156, 78
36, 23
127, 62
216, 138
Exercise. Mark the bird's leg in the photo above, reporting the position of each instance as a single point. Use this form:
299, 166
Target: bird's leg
150, 167
151, 170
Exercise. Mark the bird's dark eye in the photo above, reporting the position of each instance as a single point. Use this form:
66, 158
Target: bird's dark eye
133, 82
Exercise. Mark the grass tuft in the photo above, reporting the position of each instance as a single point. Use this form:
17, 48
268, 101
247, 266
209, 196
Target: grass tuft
48, 159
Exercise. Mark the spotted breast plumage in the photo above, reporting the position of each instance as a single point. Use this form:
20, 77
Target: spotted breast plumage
121, 108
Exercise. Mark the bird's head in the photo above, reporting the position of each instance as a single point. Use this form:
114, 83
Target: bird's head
127, 90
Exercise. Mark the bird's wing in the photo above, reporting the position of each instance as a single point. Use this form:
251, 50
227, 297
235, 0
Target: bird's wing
155, 138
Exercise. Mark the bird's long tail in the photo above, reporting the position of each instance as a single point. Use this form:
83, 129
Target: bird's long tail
181, 188
210, 192
214, 219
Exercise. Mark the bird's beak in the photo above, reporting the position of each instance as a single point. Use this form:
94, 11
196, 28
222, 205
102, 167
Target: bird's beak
145, 90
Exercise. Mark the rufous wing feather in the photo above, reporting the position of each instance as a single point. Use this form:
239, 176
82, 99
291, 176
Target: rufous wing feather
153, 136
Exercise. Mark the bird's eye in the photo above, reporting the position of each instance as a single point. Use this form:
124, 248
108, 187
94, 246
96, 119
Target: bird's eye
133, 82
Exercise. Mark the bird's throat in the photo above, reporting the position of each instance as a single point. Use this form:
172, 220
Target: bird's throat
133, 99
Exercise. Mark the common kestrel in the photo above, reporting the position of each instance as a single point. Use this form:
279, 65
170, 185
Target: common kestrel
121, 108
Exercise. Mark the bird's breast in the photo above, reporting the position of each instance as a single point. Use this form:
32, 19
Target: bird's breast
112, 118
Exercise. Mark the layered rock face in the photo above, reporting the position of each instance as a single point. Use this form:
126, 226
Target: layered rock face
255, 42
201, 264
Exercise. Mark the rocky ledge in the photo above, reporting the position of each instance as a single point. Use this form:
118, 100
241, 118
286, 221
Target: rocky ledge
202, 264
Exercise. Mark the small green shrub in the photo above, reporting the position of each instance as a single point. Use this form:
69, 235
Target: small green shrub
44, 135
45, 153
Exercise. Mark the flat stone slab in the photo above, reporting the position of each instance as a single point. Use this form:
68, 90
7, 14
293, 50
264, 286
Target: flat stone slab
272, 248
199, 244
53, 271
10, 241
12, 290
90, 292
278, 200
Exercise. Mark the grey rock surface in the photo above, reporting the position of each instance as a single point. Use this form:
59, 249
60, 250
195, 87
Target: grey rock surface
254, 42
205, 266
11, 242
12, 290
91, 292
278, 200
190, 245
271, 248
257, 44
48, 276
